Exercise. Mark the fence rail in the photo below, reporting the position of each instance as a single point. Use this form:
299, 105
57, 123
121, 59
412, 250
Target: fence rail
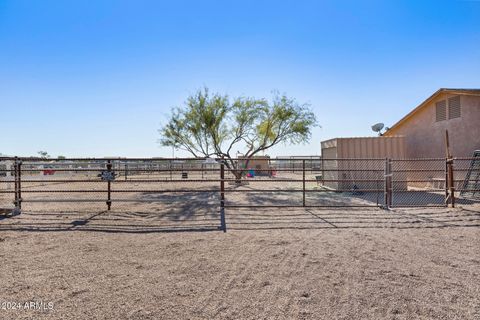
239, 183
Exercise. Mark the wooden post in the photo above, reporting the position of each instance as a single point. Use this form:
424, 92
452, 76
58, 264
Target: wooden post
303, 167
447, 145
223, 225
451, 182
451, 185
447, 182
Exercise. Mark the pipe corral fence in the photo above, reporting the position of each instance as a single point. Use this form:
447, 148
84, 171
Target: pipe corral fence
215, 184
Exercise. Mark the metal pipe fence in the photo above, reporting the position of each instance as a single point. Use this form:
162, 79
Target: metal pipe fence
184, 183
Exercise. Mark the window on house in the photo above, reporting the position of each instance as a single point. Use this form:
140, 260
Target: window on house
441, 108
454, 110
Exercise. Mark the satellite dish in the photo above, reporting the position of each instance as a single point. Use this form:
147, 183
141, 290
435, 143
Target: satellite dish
378, 127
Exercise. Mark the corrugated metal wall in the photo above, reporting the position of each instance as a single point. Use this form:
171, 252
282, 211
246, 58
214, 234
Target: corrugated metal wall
371, 147
353, 168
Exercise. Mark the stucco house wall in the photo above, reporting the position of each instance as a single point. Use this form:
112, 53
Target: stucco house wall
425, 137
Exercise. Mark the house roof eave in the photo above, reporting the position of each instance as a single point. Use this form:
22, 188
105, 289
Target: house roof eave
474, 92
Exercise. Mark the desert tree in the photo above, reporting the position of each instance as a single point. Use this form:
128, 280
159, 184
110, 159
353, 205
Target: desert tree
215, 125
43, 154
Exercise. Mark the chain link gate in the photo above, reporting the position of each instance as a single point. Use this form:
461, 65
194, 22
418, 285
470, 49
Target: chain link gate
465, 180
8, 184
419, 182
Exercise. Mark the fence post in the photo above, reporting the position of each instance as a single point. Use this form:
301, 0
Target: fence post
109, 186
303, 173
15, 180
451, 182
223, 225
19, 176
388, 184
385, 184
323, 171
447, 196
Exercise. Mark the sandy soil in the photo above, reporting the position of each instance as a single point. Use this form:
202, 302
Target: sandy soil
271, 264
162, 256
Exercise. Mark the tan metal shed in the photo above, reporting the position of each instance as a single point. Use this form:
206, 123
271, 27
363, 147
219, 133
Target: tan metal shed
357, 159
364, 147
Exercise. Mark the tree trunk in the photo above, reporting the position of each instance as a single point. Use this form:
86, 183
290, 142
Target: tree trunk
238, 176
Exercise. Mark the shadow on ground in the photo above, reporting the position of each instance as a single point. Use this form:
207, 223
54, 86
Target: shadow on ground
151, 213
200, 211
245, 219
346, 199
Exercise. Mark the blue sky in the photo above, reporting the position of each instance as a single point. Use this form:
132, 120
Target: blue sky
97, 78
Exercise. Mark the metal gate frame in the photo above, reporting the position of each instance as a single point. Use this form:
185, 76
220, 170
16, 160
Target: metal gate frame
388, 180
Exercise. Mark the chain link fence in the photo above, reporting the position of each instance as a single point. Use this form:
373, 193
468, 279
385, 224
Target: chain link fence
199, 190
7, 183
308, 183
466, 180
418, 182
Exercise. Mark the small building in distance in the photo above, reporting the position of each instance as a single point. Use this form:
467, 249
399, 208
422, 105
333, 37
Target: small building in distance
259, 164
6, 167
455, 110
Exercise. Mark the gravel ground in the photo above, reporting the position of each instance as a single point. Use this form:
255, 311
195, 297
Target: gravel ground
271, 264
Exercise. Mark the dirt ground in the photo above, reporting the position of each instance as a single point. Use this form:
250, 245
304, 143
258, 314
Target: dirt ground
270, 264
